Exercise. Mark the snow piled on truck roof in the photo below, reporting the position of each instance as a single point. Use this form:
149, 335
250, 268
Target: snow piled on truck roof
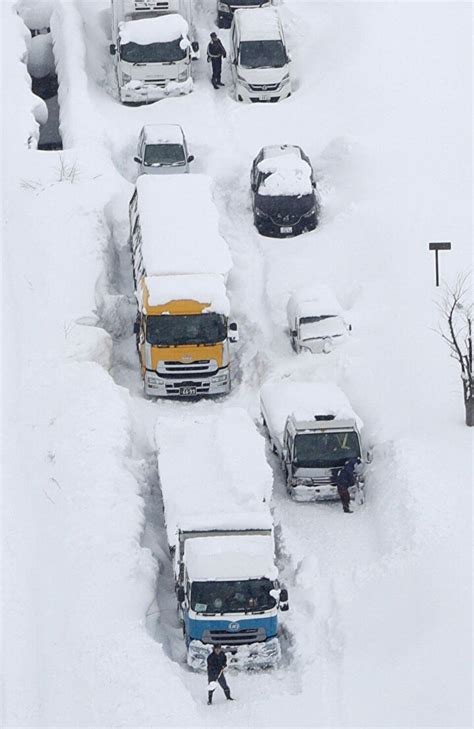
303, 400
180, 226
163, 29
234, 558
258, 23
318, 300
213, 472
205, 288
288, 174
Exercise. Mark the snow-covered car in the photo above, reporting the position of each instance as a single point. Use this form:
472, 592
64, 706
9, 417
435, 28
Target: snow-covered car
284, 198
162, 150
226, 9
260, 62
316, 320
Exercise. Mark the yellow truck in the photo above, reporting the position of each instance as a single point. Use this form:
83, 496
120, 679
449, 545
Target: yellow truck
180, 267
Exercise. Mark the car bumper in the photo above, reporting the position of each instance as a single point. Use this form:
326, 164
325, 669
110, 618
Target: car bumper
136, 92
189, 387
254, 656
248, 95
267, 227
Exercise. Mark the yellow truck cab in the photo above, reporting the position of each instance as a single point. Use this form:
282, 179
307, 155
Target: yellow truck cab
180, 271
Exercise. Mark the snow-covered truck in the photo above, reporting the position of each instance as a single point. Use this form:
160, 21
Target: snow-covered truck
153, 49
216, 486
313, 430
316, 320
180, 267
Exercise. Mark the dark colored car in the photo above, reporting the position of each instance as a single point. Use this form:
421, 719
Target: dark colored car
284, 197
225, 9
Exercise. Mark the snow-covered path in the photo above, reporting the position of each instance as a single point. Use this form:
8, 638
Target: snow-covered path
369, 593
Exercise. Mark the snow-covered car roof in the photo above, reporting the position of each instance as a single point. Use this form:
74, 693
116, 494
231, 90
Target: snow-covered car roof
258, 23
206, 288
162, 29
231, 558
277, 150
180, 226
304, 400
286, 173
163, 134
213, 471
313, 301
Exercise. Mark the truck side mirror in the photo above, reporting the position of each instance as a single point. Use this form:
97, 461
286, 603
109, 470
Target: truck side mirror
284, 600
369, 456
195, 46
180, 594
253, 186
294, 333
138, 160
284, 454
190, 158
112, 49
136, 327
233, 332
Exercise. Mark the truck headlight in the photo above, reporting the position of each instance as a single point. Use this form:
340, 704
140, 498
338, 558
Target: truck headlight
220, 378
126, 78
302, 482
183, 75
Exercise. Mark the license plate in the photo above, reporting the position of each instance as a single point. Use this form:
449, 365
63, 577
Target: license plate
187, 391
286, 229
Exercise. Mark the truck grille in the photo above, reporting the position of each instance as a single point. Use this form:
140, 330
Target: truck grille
156, 82
198, 368
241, 637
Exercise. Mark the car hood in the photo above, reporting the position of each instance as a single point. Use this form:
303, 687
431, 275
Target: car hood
265, 76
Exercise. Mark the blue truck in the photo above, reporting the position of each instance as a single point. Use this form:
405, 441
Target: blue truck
216, 487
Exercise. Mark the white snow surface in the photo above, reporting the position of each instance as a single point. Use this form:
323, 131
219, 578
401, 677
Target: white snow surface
40, 56
172, 240
240, 557
163, 134
213, 472
288, 174
304, 400
316, 300
258, 23
163, 29
205, 288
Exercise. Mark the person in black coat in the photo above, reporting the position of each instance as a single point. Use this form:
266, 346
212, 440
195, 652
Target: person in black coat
216, 663
215, 53
346, 478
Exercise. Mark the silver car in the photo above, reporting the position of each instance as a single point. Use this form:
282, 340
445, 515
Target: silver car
162, 150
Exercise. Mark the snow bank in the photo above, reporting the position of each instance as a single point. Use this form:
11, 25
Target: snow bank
259, 24
24, 111
172, 240
40, 56
288, 174
36, 14
237, 558
163, 29
213, 472
163, 134
304, 400
205, 288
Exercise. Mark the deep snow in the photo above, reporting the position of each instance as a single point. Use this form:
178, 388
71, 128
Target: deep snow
379, 625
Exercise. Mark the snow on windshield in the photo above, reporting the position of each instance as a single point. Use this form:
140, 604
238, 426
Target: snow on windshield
285, 174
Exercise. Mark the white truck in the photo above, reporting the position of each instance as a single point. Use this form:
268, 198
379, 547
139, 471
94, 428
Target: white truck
153, 49
316, 320
216, 487
314, 431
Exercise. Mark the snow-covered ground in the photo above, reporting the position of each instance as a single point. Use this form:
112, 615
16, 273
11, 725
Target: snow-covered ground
380, 601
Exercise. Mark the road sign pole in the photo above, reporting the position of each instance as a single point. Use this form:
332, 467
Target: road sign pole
436, 247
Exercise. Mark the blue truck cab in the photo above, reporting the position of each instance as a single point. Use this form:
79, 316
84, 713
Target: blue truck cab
228, 593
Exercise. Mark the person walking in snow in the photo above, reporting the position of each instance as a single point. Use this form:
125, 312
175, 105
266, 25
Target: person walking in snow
215, 53
346, 478
216, 665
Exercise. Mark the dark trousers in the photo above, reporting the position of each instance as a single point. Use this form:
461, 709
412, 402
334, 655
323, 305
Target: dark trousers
223, 684
345, 497
216, 70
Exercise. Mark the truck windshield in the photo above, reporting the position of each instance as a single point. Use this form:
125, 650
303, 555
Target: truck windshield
325, 450
277, 206
239, 596
153, 52
262, 54
164, 154
167, 330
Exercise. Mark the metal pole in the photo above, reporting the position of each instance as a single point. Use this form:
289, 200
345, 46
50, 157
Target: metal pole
437, 267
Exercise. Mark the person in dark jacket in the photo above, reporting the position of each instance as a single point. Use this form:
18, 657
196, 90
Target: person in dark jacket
345, 479
216, 663
215, 53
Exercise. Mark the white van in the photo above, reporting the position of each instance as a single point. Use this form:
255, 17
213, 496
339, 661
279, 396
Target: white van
162, 150
259, 57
